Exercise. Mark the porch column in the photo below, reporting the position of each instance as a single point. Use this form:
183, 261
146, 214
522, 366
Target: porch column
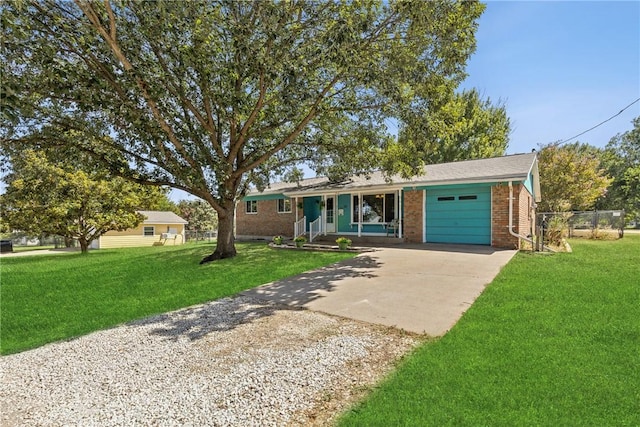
400, 214
360, 215
323, 214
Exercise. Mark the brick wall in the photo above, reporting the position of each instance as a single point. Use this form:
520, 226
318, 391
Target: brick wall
522, 215
266, 222
527, 214
412, 224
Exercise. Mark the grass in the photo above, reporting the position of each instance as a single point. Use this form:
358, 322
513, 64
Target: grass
553, 341
46, 298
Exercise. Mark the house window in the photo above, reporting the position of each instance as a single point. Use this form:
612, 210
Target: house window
446, 198
251, 207
376, 208
284, 205
468, 197
149, 231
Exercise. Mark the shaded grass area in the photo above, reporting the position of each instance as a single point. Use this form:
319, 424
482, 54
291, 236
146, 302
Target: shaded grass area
554, 340
32, 248
46, 298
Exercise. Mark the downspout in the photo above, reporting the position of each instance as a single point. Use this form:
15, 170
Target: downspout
511, 217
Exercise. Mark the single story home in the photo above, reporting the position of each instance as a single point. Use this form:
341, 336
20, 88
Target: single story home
486, 202
159, 228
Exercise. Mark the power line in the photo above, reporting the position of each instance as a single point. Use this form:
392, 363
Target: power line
598, 125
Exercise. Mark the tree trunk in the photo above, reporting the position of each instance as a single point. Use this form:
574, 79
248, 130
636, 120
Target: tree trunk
84, 245
225, 245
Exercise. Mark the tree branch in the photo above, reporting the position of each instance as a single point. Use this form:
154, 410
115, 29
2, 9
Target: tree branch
91, 14
313, 111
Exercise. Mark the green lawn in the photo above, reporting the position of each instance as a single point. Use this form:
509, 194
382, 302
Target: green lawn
46, 298
32, 248
553, 341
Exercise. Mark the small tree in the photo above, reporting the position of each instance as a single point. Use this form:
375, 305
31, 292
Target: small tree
45, 198
571, 178
199, 214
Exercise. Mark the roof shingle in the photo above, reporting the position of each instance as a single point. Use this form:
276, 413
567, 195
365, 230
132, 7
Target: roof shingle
512, 167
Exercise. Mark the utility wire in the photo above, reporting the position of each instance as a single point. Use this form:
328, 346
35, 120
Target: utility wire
598, 125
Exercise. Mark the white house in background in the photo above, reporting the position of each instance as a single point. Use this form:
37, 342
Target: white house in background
158, 229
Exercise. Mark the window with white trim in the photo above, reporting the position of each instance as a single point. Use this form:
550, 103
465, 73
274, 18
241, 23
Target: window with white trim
251, 206
148, 231
376, 208
284, 205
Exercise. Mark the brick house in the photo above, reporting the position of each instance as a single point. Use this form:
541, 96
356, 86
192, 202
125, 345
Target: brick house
486, 202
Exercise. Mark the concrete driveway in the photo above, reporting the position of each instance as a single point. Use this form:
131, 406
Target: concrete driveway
419, 288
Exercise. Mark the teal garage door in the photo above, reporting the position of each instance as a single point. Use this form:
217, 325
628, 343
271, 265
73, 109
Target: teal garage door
459, 215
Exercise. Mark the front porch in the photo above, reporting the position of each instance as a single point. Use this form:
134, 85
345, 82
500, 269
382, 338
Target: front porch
354, 215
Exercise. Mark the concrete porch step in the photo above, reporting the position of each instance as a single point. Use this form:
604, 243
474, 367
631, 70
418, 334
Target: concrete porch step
360, 241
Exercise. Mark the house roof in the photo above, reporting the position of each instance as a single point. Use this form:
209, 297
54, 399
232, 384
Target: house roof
162, 217
516, 167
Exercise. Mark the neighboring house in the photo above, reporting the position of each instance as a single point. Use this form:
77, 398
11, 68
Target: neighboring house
159, 228
486, 202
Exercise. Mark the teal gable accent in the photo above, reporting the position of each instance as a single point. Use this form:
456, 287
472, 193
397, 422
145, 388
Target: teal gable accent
529, 184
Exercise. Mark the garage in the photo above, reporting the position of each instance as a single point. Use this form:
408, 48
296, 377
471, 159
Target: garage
459, 215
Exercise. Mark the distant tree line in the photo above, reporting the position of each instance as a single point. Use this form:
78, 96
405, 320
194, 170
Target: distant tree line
580, 176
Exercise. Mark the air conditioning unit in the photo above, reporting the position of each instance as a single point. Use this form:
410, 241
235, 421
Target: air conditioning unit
167, 236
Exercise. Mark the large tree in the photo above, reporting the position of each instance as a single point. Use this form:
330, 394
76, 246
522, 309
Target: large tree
465, 127
621, 158
47, 198
213, 96
571, 177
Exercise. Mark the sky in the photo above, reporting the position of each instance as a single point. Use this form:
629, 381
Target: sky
560, 68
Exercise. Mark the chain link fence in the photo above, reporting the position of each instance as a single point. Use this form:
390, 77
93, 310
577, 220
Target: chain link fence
554, 226
194, 236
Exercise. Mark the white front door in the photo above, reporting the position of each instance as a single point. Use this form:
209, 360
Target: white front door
331, 217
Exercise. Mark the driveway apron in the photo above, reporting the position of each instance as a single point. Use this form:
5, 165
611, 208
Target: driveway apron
423, 289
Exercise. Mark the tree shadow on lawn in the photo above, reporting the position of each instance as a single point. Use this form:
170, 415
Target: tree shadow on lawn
228, 313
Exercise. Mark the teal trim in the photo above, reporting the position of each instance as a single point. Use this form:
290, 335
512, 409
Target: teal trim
459, 215
311, 208
371, 228
529, 183
343, 225
265, 197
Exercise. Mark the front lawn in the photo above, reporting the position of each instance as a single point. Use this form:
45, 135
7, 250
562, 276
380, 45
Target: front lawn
46, 298
553, 341
32, 248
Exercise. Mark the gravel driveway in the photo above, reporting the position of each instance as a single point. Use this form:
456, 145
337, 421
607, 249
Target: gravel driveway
232, 362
